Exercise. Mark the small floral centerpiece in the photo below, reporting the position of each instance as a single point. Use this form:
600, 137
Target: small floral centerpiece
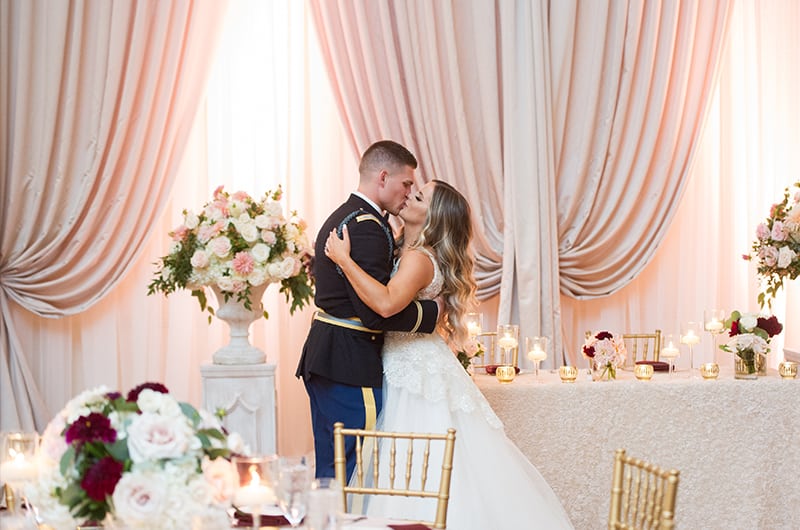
235, 243
605, 353
143, 460
777, 245
750, 334
471, 349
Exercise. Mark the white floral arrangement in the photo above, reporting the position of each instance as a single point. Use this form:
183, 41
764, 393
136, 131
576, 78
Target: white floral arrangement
141, 461
236, 243
606, 352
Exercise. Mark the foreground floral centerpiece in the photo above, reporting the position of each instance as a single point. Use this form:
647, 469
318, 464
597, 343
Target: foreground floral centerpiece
236, 243
777, 245
143, 460
750, 334
605, 353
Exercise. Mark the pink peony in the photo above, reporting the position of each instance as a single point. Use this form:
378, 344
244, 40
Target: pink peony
243, 263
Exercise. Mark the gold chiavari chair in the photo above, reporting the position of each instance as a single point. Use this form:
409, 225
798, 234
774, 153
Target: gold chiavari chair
369, 441
642, 347
642, 495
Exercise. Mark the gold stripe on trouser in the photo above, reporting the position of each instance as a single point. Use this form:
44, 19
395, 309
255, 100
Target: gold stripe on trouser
370, 421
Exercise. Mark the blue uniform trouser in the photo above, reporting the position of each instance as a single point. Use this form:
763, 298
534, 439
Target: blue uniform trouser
356, 407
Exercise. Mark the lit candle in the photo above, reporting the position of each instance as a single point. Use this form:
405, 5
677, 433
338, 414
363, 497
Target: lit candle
670, 352
254, 494
714, 326
474, 329
690, 338
537, 354
507, 342
18, 469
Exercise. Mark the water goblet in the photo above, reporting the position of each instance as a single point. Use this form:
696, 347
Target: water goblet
324, 504
507, 340
714, 323
256, 487
690, 335
537, 351
670, 351
294, 481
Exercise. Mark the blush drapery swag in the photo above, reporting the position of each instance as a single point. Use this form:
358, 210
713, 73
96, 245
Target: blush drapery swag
575, 164
98, 98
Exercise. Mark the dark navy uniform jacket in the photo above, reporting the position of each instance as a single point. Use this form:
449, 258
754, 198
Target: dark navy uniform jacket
340, 353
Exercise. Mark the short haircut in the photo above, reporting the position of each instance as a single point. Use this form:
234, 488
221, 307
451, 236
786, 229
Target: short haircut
386, 153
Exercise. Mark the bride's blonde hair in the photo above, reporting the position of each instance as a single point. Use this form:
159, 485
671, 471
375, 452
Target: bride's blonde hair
448, 232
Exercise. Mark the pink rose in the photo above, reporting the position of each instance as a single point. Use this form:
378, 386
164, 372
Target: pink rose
199, 259
220, 246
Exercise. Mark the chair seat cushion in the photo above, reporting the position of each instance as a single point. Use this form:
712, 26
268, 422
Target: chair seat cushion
658, 366
491, 369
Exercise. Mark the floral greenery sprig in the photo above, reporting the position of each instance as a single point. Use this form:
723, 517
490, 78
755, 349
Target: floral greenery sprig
607, 351
144, 460
777, 245
236, 243
750, 335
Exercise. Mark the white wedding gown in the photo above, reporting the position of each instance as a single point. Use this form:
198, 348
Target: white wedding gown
493, 486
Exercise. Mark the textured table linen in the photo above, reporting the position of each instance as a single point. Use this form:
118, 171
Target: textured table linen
736, 443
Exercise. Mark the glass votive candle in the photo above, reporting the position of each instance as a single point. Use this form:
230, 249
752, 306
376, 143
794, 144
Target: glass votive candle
568, 374
709, 370
787, 369
643, 372
257, 480
474, 323
505, 373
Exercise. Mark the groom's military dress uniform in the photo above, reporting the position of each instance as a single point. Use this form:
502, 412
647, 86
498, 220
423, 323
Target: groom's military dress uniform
341, 361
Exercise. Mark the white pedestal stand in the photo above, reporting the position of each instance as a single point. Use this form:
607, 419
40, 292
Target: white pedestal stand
246, 392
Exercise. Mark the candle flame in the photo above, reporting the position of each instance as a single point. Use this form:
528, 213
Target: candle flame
255, 478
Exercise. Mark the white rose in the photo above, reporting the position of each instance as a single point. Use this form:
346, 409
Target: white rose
213, 213
152, 437
220, 246
273, 209
260, 252
226, 284
237, 445
748, 321
292, 232
220, 474
191, 220
262, 221
158, 403
140, 499
257, 277
269, 237
248, 231
288, 266
199, 259
785, 257
174, 247
237, 208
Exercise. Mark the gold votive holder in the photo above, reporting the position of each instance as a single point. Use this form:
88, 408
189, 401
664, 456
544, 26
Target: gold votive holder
709, 370
568, 374
787, 369
643, 372
505, 373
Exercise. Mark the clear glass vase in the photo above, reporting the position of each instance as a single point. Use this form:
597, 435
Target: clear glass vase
745, 365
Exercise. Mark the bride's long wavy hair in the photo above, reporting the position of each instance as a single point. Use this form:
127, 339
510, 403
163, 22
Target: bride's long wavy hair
448, 232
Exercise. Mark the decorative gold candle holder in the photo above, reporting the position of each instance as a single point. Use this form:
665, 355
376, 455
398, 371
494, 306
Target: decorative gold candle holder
787, 369
643, 372
568, 374
505, 373
709, 370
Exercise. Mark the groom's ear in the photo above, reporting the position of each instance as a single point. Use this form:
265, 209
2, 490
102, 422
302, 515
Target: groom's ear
382, 176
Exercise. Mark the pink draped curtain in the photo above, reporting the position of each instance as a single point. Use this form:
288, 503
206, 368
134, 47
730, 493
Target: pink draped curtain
98, 102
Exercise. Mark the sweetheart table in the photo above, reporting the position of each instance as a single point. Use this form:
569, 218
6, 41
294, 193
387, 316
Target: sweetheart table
735, 443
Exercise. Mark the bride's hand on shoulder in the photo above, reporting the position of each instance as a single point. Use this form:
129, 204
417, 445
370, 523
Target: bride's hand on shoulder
338, 250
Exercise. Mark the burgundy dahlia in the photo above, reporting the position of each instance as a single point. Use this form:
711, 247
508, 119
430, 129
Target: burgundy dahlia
101, 478
133, 395
770, 325
588, 351
92, 428
734, 329
604, 335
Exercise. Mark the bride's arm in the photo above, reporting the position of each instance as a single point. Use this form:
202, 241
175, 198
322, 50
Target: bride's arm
414, 273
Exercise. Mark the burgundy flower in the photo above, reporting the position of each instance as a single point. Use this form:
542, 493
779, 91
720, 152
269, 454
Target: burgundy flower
91, 428
588, 351
603, 335
101, 478
770, 325
133, 395
113, 395
734, 328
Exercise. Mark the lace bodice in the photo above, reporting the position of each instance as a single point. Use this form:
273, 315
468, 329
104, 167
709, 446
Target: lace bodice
424, 364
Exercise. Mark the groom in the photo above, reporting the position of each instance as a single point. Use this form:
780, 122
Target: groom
341, 361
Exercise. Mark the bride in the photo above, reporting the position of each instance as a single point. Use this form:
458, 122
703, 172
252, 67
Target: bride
425, 387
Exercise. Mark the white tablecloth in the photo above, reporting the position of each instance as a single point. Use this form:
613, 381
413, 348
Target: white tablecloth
736, 443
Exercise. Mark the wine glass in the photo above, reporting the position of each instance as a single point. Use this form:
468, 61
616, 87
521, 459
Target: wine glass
670, 351
690, 335
714, 322
294, 481
537, 351
256, 487
18, 462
